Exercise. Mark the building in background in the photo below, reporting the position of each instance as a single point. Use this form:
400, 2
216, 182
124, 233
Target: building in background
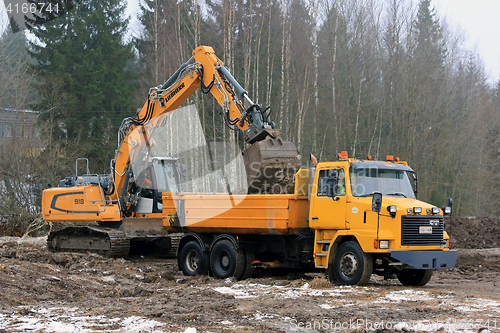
19, 124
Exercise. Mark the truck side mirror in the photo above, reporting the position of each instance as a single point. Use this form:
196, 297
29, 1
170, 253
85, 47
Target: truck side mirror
448, 209
450, 202
377, 202
331, 183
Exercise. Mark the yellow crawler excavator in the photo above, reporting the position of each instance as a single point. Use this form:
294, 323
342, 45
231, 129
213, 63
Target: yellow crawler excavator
112, 200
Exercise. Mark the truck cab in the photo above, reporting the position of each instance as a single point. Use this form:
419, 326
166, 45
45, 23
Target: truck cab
367, 218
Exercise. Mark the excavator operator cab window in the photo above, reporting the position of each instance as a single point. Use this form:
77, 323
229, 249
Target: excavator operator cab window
147, 184
159, 177
331, 183
166, 176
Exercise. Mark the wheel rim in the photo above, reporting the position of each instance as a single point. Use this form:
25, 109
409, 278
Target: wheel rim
192, 261
225, 261
348, 264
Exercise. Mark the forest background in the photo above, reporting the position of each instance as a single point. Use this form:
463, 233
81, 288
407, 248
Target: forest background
373, 77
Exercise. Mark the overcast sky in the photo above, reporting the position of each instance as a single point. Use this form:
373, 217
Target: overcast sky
479, 19
481, 22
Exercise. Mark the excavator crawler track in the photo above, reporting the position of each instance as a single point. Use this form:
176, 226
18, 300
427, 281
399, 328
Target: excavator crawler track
175, 239
96, 239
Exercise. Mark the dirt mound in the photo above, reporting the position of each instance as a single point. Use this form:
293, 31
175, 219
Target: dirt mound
474, 232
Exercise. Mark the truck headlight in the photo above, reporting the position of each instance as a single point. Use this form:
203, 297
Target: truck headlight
417, 210
392, 210
447, 210
436, 211
384, 244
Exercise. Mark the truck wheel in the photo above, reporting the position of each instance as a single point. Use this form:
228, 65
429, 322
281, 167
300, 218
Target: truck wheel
192, 260
352, 265
414, 277
330, 274
227, 261
248, 270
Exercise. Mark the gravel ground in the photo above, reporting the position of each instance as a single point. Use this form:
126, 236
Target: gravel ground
45, 292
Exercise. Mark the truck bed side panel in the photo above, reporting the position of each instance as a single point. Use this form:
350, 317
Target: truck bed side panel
239, 214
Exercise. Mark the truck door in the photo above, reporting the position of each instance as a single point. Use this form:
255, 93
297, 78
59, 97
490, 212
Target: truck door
328, 200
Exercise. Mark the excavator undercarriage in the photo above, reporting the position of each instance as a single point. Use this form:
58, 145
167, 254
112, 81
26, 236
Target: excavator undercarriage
97, 239
111, 242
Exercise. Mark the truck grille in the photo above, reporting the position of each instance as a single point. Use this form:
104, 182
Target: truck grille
413, 234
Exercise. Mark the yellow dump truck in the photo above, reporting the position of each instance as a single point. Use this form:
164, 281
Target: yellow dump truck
351, 218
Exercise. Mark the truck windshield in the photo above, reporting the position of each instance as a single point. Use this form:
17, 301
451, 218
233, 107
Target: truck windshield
389, 182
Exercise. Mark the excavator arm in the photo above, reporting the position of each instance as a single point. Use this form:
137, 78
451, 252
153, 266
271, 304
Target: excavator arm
266, 160
207, 71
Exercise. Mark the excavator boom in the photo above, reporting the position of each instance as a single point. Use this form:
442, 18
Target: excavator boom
268, 161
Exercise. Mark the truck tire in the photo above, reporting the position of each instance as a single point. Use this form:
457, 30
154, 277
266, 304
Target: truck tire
330, 274
192, 260
248, 270
352, 266
227, 261
414, 277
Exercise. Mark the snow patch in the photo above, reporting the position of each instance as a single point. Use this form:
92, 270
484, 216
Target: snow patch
237, 293
247, 290
405, 295
261, 316
62, 320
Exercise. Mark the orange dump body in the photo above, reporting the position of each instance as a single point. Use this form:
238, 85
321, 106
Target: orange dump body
281, 214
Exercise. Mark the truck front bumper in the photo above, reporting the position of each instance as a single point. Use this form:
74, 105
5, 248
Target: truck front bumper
426, 259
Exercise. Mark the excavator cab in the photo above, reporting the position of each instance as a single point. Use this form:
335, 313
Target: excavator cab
161, 174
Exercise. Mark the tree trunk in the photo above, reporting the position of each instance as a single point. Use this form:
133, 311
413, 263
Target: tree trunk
358, 110
315, 5
269, 71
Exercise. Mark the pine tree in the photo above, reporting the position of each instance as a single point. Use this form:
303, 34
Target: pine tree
83, 78
428, 59
157, 43
426, 96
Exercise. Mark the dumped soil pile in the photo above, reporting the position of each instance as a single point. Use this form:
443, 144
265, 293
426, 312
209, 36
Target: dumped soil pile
473, 233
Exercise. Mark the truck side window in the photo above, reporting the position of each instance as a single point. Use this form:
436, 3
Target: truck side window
331, 183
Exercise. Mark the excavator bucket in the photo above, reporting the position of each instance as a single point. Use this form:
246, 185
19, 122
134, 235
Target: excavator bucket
271, 164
